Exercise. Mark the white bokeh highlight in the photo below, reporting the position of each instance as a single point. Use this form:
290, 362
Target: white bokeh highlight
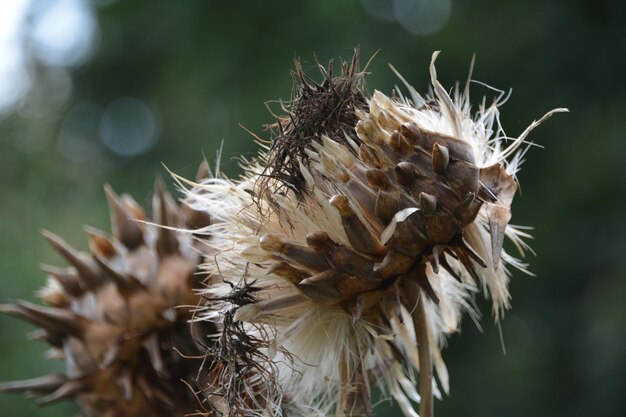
129, 127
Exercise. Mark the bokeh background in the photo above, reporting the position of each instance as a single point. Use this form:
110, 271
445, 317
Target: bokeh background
95, 91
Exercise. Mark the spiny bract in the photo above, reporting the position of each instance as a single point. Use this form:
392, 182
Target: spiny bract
113, 315
358, 264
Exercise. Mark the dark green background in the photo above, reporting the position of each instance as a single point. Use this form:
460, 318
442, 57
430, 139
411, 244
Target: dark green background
207, 67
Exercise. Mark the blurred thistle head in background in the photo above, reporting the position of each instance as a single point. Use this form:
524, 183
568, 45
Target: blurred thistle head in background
119, 315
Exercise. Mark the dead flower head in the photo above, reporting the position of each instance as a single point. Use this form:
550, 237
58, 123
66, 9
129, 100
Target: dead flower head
366, 228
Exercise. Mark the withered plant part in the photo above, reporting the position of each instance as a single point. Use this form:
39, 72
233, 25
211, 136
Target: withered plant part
370, 240
113, 314
241, 374
316, 109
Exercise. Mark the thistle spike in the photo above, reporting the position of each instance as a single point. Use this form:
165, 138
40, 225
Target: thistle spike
55, 320
67, 390
368, 155
328, 277
441, 158
167, 243
99, 243
394, 264
85, 266
54, 353
125, 284
41, 335
66, 277
284, 270
467, 210
386, 206
324, 293
340, 256
405, 173
400, 144
497, 185
133, 208
125, 229
463, 178
427, 204
457, 149
194, 219
433, 259
204, 171
499, 217
272, 243
377, 178
304, 256
441, 227
53, 294
356, 231
40, 385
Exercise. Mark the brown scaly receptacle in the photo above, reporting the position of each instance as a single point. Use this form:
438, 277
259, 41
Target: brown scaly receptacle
113, 314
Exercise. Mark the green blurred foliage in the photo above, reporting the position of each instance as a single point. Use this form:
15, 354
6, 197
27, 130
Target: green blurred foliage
208, 66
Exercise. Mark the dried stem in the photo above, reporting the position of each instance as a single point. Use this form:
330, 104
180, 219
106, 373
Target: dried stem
425, 359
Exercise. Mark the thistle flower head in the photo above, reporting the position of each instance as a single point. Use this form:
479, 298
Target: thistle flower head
366, 229
113, 315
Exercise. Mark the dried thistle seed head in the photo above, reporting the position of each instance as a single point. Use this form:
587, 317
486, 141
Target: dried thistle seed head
113, 315
362, 270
